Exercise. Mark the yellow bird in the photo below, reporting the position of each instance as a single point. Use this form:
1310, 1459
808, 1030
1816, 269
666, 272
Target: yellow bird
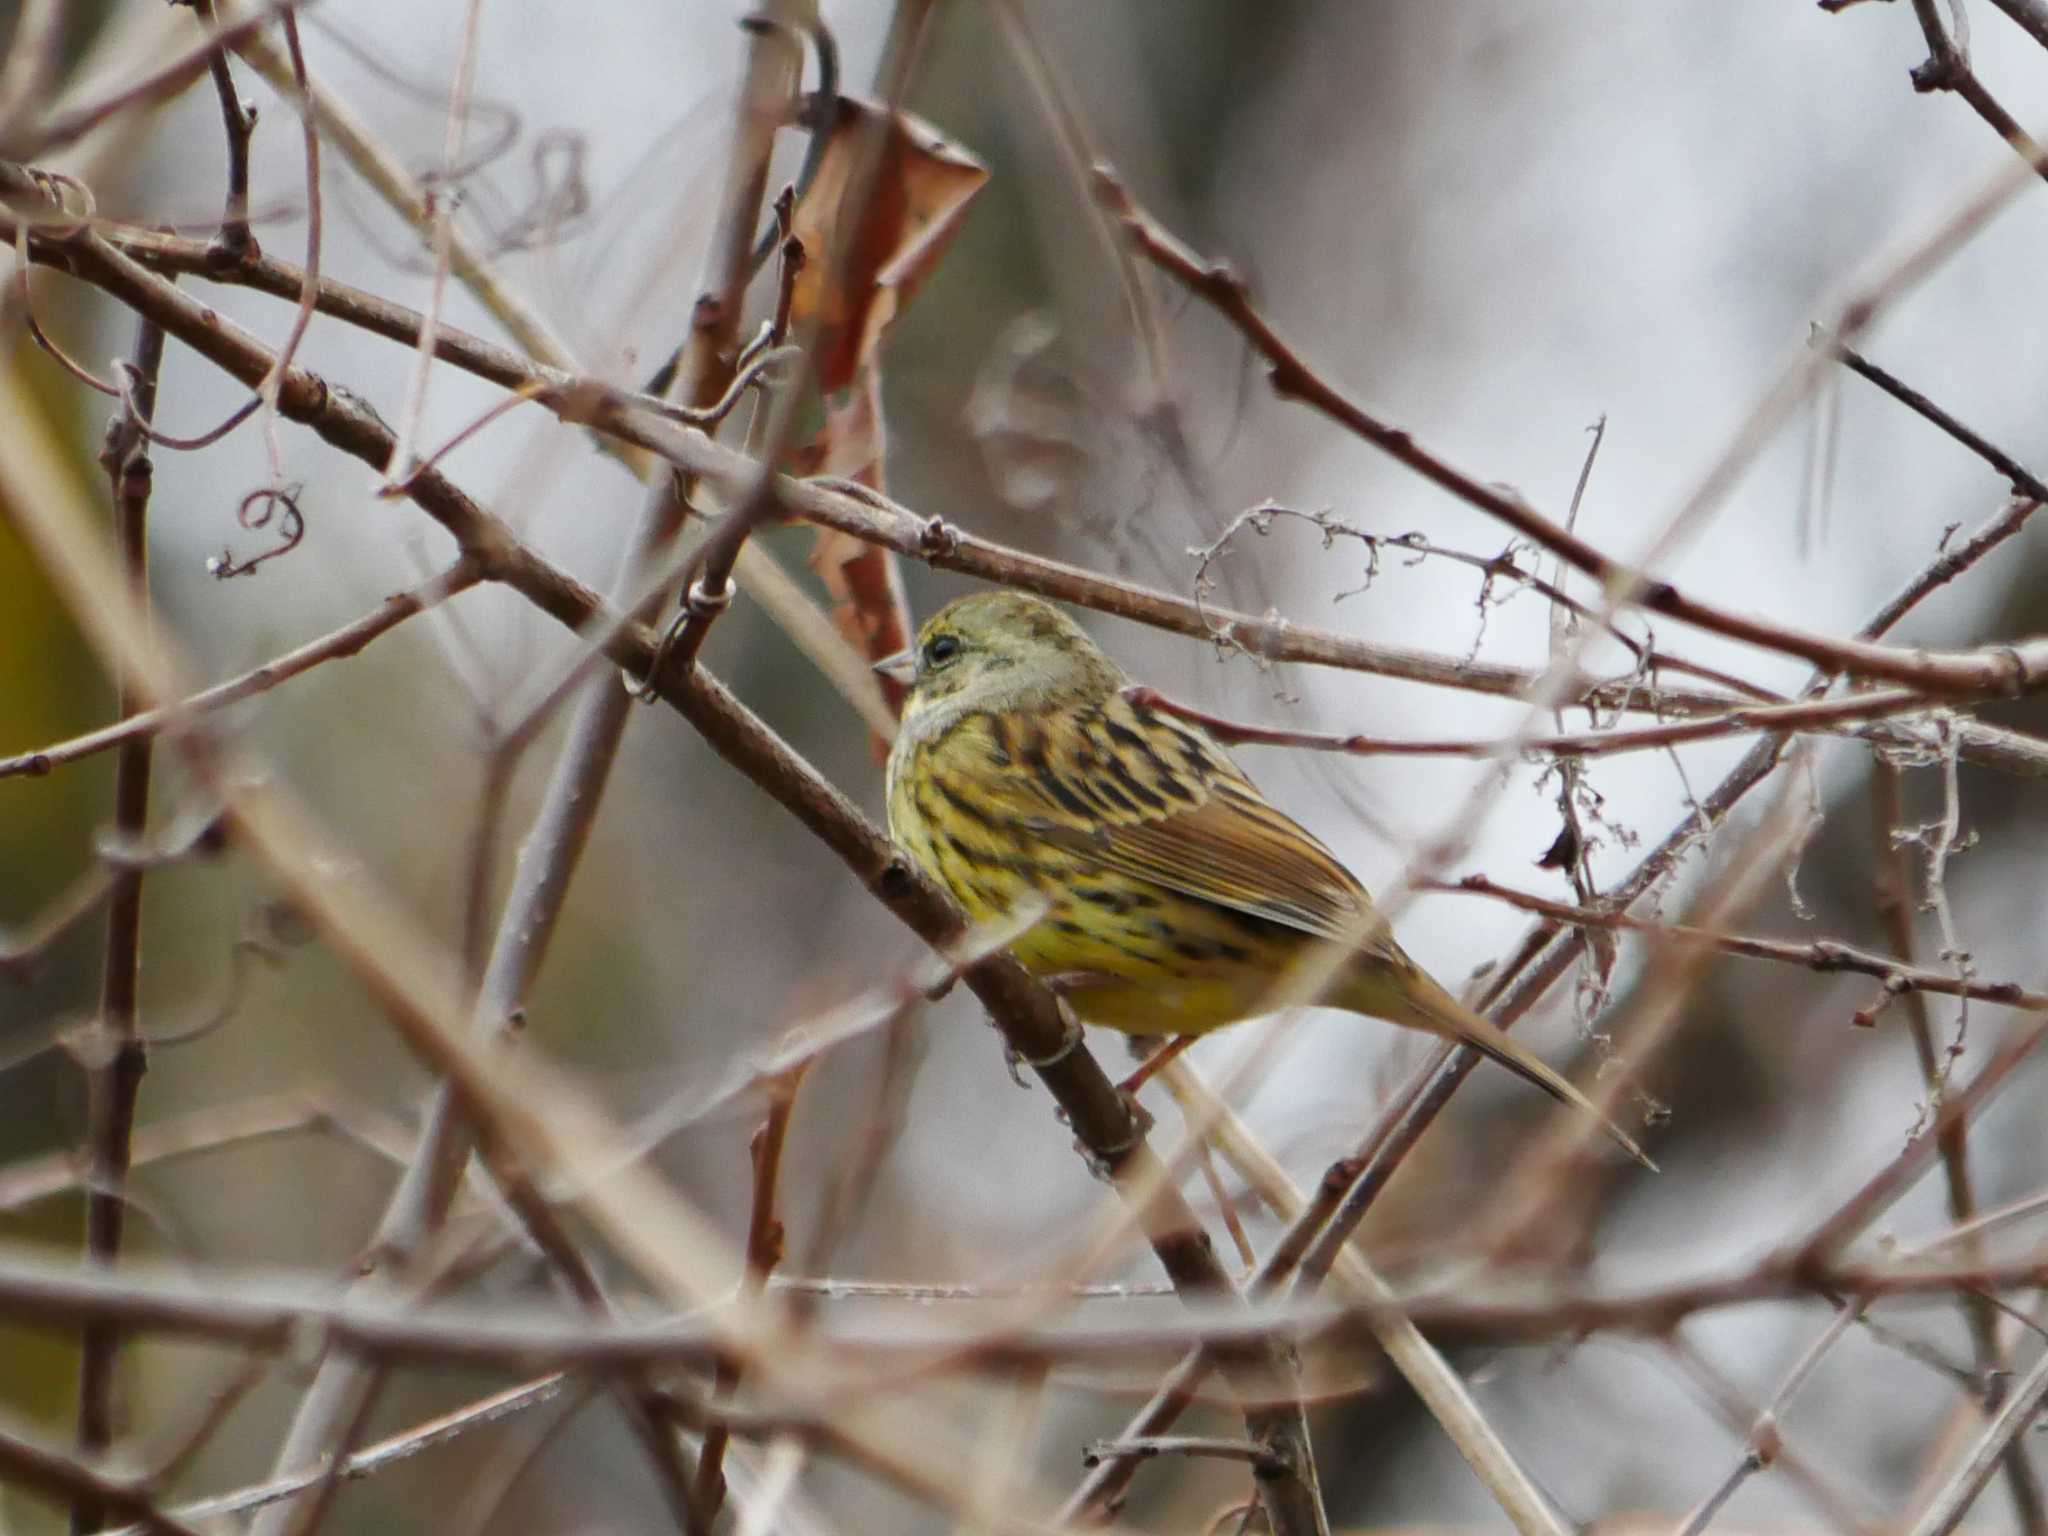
1180, 898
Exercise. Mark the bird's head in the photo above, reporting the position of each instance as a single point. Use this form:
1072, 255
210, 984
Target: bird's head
997, 651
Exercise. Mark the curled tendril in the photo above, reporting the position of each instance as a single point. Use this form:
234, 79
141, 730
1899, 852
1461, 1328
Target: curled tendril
128, 376
258, 509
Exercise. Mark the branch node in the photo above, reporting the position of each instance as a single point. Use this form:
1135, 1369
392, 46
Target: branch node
706, 604
938, 539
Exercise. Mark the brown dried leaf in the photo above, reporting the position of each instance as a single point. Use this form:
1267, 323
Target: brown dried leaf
921, 193
863, 579
921, 190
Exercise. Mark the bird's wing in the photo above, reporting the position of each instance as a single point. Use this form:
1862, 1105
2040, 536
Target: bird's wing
1138, 793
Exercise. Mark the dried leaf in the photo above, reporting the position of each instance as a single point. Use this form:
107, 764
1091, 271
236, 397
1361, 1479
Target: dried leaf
863, 579
920, 195
921, 190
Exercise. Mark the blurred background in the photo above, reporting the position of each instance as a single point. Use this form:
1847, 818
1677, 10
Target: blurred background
1496, 223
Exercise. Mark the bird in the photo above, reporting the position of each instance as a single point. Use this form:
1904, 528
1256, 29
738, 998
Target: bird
1177, 899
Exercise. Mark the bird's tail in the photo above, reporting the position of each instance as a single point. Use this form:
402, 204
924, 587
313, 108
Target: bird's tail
1428, 1006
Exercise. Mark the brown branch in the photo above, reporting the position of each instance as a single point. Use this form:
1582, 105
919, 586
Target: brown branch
1100, 1496
261, 1313
61, 1479
121, 1055
1993, 671
1952, 1500
2022, 480
1900, 975
1948, 69
346, 641
1895, 908
764, 1252
1818, 714
1951, 563
233, 242
209, 1130
1145, 1447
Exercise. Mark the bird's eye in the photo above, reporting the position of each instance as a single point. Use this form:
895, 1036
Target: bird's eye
941, 649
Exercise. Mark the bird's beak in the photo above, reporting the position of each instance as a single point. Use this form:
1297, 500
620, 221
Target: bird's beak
900, 668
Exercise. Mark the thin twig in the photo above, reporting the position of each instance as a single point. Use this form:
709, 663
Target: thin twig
1817, 714
1899, 974
1948, 69
233, 242
62, 1479
346, 641
1145, 1447
764, 1252
444, 196
1548, 951
121, 1055
1952, 1500
2022, 480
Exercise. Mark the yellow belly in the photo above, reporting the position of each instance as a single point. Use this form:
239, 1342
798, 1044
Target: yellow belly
1126, 954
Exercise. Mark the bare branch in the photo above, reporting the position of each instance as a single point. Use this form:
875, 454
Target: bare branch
121, 1056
